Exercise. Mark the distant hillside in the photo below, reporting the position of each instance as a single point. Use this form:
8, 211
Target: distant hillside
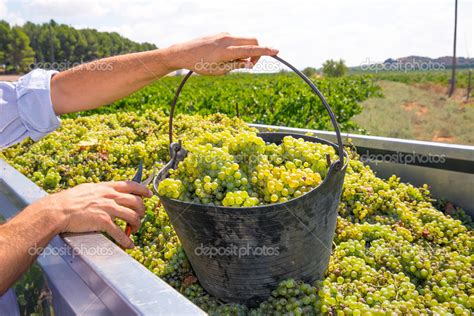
445, 60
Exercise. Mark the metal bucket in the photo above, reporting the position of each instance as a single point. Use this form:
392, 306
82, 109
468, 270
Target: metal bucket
242, 254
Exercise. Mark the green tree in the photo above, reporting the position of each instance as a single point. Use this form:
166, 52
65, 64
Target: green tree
53, 42
5, 40
332, 68
60, 42
15, 51
34, 33
309, 71
21, 55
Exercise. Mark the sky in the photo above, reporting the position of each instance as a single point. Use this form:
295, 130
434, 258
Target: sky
306, 32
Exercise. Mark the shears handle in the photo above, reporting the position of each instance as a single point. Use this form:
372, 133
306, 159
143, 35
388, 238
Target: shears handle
128, 230
136, 178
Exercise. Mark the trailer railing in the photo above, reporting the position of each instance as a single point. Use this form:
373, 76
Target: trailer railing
447, 168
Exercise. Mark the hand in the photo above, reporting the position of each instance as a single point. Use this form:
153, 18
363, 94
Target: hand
218, 54
93, 207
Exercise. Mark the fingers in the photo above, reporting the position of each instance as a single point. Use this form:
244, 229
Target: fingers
225, 67
131, 187
244, 41
254, 59
126, 203
245, 51
128, 215
108, 226
131, 201
220, 53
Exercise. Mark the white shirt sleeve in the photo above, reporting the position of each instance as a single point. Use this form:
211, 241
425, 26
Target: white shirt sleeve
26, 109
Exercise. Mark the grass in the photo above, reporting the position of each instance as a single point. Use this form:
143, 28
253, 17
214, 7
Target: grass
441, 77
417, 112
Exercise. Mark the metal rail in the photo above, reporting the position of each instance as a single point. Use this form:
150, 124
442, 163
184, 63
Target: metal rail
86, 272
447, 168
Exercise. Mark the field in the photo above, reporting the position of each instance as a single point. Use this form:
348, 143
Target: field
417, 111
281, 99
420, 77
416, 102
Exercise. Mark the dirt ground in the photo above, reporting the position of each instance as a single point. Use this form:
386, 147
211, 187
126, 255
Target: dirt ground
421, 111
458, 96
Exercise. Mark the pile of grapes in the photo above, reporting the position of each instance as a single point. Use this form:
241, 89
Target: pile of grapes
396, 251
241, 170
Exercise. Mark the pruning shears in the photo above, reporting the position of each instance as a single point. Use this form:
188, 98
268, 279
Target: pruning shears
138, 179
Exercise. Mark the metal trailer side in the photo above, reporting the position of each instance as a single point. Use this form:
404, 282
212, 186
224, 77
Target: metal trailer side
87, 273
447, 168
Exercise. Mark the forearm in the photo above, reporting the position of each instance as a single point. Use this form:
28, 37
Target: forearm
20, 237
104, 81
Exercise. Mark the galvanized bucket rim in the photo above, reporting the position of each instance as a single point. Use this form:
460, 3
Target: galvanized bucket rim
332, 169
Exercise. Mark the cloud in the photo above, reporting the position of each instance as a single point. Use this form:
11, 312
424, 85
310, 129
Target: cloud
62, 9
10, 17
3, 7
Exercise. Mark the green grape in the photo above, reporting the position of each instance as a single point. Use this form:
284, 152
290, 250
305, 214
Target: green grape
394, 251
229, 161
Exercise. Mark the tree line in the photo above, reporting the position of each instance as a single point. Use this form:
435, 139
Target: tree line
331, 68
52, 45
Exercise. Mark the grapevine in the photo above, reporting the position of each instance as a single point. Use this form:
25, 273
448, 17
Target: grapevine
276, 99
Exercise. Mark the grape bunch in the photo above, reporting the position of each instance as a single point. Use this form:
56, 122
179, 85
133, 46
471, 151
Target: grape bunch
241, 170
396, 250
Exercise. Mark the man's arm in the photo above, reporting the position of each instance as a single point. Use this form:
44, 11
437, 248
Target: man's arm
92, 207
85, 208
26, 230
102, 82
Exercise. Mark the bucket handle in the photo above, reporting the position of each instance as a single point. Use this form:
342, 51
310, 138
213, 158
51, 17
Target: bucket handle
337, 164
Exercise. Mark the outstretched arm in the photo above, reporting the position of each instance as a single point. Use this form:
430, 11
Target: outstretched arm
104, 81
